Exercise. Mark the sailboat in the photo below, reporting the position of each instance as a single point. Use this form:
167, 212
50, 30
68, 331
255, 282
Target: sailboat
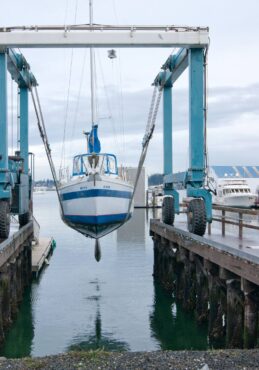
95, 200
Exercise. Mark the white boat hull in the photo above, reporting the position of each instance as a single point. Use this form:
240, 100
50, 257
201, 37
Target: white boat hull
95, 208
241, 201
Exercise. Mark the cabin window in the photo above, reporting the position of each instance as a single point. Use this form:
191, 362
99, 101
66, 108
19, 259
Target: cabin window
77, 166
111, 165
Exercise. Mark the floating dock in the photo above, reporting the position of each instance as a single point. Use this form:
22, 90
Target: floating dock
40, 252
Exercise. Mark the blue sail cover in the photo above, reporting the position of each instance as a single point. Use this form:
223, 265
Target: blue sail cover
94, 144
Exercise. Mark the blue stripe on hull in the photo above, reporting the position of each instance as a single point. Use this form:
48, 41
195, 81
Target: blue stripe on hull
96, 220
96, 193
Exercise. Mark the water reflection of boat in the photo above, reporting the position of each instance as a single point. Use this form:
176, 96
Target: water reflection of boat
39, 189
235, 193
97, 339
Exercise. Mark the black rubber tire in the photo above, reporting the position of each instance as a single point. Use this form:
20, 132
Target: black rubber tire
24, 219
168, 210
196, 217
4, 219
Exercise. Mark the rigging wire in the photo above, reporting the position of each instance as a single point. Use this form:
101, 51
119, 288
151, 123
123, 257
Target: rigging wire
63, 148
78, 100
66, 11
108, 101
96, 101
121, 102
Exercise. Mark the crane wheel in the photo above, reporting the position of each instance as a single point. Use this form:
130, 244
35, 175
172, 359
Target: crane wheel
24, 219
168, 210
4, 219
196, 217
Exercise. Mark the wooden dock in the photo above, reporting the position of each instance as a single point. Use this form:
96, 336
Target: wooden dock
15, 273
40, 252
215, 276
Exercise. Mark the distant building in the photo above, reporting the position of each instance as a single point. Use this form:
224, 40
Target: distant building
140, 194
249, 173
218, 173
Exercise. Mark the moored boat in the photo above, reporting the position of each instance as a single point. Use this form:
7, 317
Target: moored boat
235, 193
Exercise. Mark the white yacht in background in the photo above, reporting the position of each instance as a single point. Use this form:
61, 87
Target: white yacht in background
234, 193
40, 189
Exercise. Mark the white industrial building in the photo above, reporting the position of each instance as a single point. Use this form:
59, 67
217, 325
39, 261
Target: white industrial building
248, 173
140, 194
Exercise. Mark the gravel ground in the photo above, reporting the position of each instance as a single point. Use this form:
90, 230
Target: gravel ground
193, 360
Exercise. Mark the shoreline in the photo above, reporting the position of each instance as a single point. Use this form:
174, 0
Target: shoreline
99, 359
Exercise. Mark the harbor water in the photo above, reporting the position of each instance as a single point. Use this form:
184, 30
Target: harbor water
115, 304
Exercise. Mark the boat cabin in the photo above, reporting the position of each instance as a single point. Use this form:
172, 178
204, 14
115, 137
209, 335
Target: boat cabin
103, 163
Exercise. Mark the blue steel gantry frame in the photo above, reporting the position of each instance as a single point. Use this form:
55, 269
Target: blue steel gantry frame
173, 68
14, 170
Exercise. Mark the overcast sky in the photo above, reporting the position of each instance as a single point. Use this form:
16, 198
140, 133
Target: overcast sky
124, 84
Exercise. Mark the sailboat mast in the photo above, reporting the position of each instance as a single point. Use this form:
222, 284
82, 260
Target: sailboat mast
92, 70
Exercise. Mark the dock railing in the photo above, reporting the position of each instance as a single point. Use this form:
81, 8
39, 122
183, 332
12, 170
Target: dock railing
226, 219
238, 221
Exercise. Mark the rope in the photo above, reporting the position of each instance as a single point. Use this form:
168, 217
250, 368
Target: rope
44, 137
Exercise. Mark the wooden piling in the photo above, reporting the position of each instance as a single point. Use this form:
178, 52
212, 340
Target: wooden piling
219, 283
235, 314
14, 305
5, 295
201, 292
251, 294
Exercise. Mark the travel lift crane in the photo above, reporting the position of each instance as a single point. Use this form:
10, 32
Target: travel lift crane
15, 173
199, 201
15, 183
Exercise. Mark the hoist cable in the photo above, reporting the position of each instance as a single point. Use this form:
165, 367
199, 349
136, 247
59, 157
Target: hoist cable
155, 102
44, 137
